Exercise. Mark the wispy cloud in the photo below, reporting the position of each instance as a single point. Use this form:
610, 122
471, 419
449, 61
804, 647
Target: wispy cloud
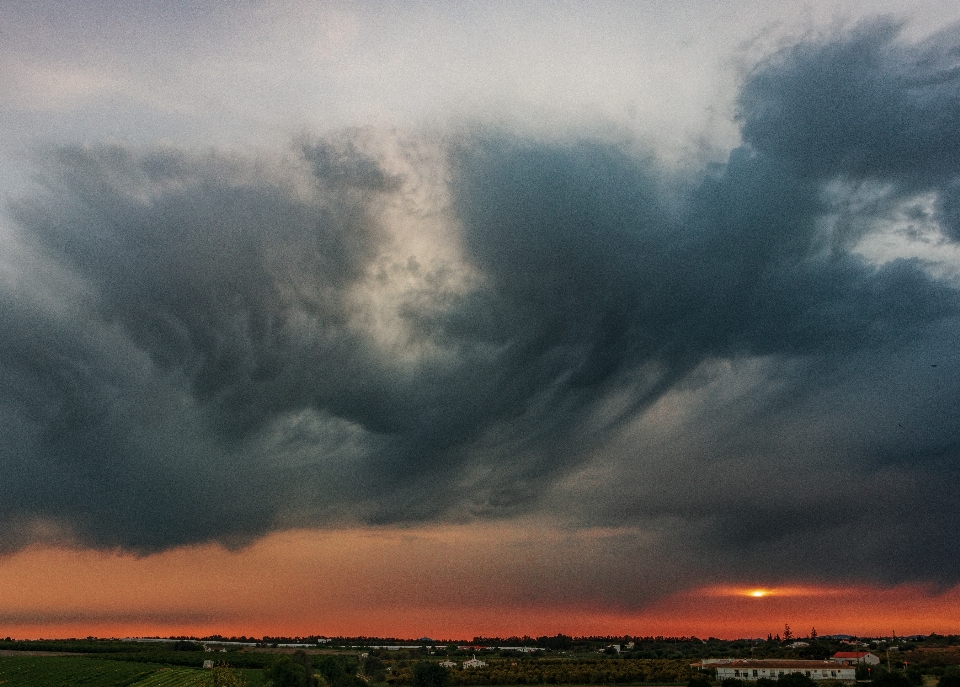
434, 327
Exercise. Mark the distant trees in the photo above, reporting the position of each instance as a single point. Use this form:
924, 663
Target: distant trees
818, 651
341, 671
430, 674
375, 669
186, 645
560, 642
285, 672
540, 670
291, 671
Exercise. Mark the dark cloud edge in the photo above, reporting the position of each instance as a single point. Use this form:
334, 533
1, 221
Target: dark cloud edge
588, 279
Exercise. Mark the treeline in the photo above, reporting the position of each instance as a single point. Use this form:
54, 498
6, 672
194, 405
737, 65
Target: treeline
559, 671
527, 640
300, 669
179, 653
562, 642
929, 662
941, 640
80, 646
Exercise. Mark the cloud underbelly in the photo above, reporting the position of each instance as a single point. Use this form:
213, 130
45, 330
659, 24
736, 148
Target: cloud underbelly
392, 327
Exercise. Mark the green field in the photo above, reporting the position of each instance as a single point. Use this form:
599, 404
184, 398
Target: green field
72, 671
173, 677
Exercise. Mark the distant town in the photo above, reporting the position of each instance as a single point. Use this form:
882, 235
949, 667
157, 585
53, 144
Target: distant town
317, 661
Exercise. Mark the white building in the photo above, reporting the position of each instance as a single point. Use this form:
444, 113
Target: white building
774, 669
448, 664
473, 663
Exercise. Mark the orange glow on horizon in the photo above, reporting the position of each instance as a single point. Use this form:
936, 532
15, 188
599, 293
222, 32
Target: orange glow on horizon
764, 592
452, 582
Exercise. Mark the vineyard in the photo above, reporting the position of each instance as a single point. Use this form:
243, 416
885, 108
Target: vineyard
80, 671
174, 677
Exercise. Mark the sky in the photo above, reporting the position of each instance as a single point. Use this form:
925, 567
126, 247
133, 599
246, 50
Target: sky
431, 319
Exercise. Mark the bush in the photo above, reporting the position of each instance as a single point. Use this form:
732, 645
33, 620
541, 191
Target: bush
795, 680
949, 680
891, 679
223, 675
285, 672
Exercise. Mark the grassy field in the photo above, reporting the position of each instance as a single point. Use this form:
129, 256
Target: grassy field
73, 671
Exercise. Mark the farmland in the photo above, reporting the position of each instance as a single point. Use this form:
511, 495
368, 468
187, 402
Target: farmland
83, 671
361, 662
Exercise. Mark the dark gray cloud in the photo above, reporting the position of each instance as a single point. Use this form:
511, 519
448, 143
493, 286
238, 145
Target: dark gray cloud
254, 344
863, 106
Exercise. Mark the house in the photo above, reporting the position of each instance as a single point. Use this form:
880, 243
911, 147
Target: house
854, 657
473, 663
448, 664
774, 669
208, 664
797, 645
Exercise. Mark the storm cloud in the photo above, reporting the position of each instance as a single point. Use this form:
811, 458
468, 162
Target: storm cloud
396, 328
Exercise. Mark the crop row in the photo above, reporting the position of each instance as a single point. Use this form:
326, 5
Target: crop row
174, 677
69, 671
72, 671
